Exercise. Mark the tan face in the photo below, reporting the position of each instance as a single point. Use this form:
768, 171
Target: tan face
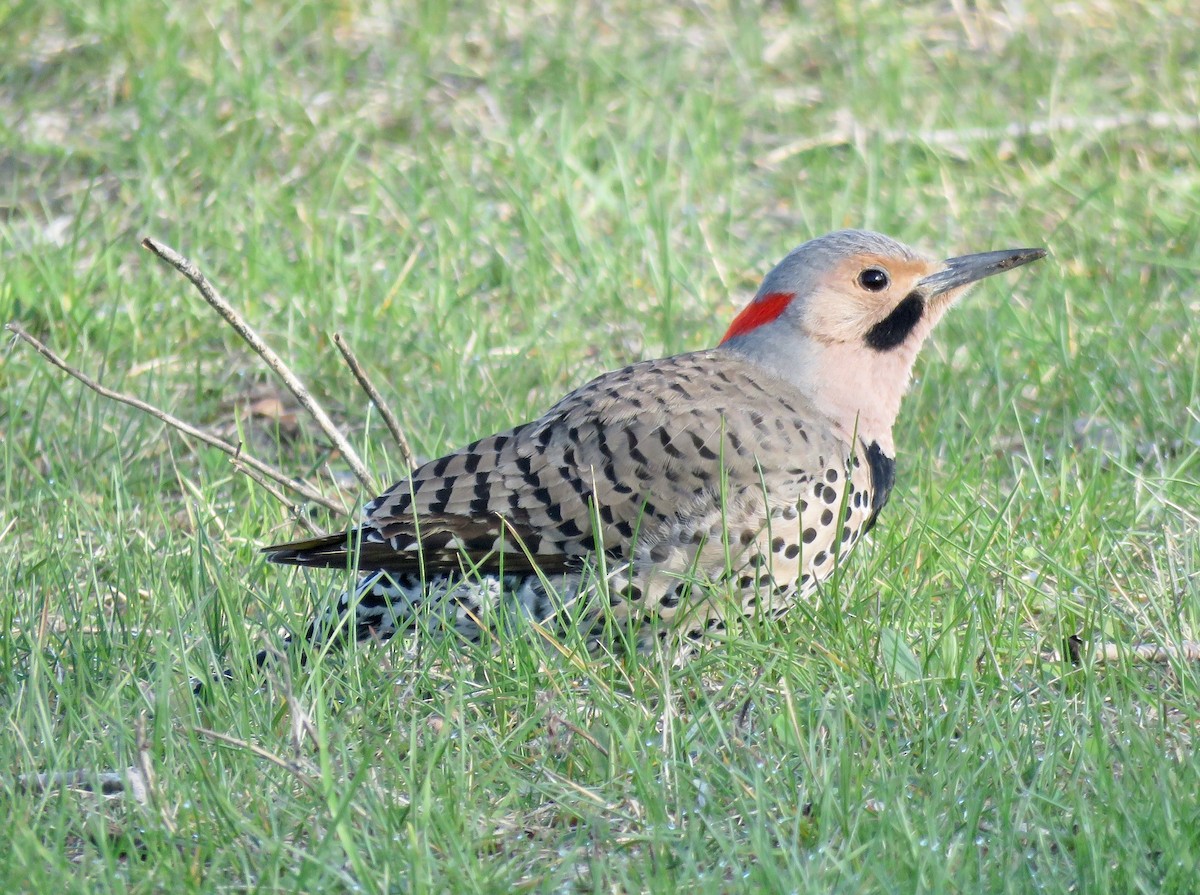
873, 299
860, 290
891, 302
843, 316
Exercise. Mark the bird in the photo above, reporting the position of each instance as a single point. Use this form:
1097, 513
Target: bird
658, 503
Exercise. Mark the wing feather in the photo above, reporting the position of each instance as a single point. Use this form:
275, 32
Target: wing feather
633, 449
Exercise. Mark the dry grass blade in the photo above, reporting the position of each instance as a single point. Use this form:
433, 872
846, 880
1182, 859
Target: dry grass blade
270, 358
389, 418
174, 422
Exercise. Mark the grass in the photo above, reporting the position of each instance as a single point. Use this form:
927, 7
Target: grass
492, 207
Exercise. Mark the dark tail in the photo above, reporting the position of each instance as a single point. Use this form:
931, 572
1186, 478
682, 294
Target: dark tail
324, 551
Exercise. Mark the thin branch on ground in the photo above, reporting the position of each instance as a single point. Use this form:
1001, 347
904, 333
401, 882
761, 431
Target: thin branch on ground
1186, 651
297, 769
955, 138
389, 418
303, 771
295, 509
105, 783
146, 769
1112, 653
305, 491
270, 358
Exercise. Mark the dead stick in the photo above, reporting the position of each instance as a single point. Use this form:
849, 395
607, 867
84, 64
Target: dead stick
389, 418
107, 783
1076, 650
145, 785
272, 360
949, 137
299, 770
232, 450
294, 768
1187, 651
295, 509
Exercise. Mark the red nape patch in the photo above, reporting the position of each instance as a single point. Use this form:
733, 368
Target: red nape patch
757, 313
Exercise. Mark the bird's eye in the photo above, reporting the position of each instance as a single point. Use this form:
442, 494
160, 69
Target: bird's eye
873, 279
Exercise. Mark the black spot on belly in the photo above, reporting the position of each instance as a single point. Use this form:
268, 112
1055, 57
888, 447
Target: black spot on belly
893, 329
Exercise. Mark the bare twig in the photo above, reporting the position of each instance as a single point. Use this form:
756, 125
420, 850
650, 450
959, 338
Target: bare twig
295, 768
570, 725
295, 509
174, 422
143, 785
1111, 653
951, 137
302, 771
106, 783
1186, 651
389, 418
272, 360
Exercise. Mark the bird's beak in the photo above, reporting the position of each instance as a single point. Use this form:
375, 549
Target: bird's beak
969, 268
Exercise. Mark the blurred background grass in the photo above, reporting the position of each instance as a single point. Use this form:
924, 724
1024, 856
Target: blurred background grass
493, 205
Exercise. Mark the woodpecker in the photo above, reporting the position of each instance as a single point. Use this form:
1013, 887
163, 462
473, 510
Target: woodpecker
673, 494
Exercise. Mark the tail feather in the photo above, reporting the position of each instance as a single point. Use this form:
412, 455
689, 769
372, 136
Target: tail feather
351, 549
324, 551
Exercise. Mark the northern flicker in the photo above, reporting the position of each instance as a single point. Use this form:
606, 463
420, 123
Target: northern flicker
673, 494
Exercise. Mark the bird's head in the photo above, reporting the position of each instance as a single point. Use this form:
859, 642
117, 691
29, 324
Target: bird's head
844, 315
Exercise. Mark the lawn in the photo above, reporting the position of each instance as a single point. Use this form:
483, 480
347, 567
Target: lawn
492, 205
